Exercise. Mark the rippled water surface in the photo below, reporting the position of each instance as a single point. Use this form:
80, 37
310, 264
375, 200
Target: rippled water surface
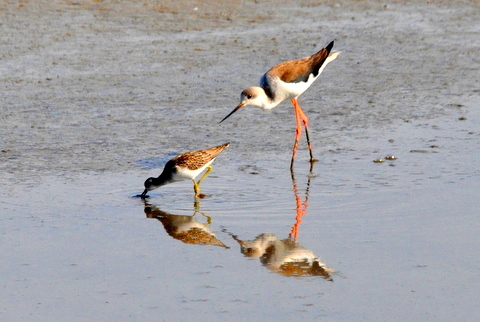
105, 97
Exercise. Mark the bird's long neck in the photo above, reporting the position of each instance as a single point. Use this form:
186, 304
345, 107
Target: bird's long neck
158, 182
166, 175
163, 178
267, 99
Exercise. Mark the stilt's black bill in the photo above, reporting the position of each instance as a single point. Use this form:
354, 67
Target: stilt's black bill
235, 109
144, 194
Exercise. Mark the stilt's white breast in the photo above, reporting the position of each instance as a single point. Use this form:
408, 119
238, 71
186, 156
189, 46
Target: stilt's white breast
295, 89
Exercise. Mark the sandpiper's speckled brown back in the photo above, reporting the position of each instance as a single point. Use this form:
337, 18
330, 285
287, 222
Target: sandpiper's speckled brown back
196, 159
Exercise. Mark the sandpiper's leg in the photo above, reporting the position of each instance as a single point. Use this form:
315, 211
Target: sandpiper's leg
304, 119
196, 185
209, 169
298, 129
196, 188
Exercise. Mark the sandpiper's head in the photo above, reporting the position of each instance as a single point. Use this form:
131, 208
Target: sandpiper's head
250, 96
148, 186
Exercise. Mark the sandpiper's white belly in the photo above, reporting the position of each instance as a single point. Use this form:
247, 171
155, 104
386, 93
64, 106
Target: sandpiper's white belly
187, 174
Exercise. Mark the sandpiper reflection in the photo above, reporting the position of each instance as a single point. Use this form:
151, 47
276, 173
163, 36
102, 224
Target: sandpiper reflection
185, 228
287, 256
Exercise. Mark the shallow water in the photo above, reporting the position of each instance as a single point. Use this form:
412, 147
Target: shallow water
397, 234
82, 130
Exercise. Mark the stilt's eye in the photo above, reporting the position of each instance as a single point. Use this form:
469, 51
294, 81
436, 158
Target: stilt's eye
249, 96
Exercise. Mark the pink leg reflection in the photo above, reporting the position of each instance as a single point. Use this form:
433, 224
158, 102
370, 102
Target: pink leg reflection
301, 207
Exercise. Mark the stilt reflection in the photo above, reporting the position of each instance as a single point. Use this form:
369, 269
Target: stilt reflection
301, 206
287, 256
187, 229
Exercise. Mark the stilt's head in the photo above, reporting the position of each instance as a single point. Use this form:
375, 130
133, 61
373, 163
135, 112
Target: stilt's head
250, 96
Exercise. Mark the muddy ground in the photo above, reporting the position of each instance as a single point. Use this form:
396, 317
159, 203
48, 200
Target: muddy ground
98, 85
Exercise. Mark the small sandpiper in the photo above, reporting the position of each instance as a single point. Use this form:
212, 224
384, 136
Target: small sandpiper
185, 166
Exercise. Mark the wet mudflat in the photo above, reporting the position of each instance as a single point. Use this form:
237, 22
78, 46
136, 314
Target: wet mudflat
97, 96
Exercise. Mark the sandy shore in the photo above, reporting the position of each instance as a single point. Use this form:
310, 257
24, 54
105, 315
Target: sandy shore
98, 85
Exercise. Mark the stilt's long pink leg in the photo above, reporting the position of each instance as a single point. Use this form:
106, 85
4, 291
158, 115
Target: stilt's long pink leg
301, 117
298, 130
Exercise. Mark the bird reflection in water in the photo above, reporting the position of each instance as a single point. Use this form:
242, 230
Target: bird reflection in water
185, 228
287, 256
301, 206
